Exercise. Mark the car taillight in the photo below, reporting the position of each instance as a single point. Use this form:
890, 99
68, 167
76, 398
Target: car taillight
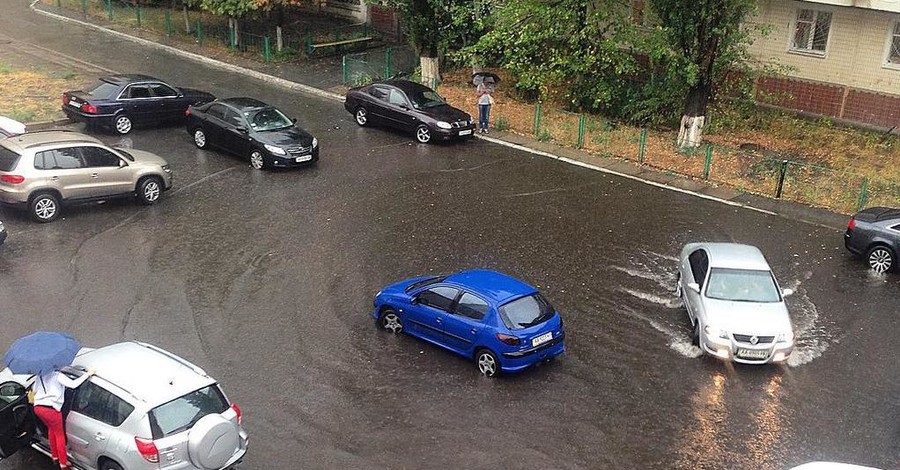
237, 411
852, 224
89, 108
65, 99
12, 179
510, 340
147, 449
187, 112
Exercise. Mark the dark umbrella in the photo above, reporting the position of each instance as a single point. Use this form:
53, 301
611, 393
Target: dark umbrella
41, 352
485, 77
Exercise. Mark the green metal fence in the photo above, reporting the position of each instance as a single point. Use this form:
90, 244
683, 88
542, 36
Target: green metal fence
366, 67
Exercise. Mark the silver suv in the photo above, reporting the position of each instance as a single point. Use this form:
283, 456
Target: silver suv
41, 170
144, 408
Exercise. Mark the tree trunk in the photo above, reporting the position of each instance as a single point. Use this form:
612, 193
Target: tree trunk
187, 21
279, 39
430, 71
693, 121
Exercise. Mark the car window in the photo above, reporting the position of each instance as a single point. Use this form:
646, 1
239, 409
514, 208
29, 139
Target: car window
526, 311
182, 413
8, 159
99, 157
59, 159
137, 91
380, 92
742, 285
161, 90
699, 264
216, 111
397, 98
426, 99
104, 90
895, 227
471, 306
97, 403
438, 297
233, 118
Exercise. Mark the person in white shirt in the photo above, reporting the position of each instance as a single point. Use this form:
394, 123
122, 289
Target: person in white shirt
483, 91
49, 395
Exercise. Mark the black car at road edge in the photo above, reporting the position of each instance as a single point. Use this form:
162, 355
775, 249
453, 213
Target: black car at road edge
875, 234
409, 107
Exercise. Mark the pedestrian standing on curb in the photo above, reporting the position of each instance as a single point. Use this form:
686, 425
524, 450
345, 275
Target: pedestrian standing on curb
485, 100
49, 395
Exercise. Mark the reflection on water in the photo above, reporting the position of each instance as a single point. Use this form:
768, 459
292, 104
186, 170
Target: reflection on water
704, 443
769, 427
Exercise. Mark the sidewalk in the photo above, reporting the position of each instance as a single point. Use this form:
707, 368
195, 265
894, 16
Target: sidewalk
322, 77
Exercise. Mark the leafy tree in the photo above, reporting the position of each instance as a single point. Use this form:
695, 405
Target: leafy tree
233, 9
701, 47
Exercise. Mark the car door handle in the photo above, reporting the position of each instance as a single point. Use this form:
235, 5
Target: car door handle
54, 178
438, 319
95, 175
100, 437
474, 331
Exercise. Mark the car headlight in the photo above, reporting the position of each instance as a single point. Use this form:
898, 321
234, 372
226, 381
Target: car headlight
785, 337
716, 332
167, 168
315, 142
275, 150
444, 125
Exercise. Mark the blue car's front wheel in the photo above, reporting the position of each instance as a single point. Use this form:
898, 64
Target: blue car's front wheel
390, 321
487, 363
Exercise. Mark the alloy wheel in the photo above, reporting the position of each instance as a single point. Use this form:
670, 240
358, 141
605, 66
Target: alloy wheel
45, 209
362, 117
123, 124
391, 321
423, 134
151, 191
256, 160
881, 260
487, 364
199, 138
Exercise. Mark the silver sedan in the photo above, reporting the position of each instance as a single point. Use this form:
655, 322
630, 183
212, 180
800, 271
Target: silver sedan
734, 303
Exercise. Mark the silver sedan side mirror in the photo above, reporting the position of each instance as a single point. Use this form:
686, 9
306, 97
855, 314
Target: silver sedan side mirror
787, 292
694, 287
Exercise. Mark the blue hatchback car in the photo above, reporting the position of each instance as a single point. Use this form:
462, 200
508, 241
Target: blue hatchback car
499, 321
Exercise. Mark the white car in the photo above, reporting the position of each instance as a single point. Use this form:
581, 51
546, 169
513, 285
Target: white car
734, 303
10, 127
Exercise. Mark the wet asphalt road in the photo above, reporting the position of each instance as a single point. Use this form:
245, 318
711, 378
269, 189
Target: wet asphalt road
266, 280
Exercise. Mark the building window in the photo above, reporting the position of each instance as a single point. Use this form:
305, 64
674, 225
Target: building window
893, 57
811, 31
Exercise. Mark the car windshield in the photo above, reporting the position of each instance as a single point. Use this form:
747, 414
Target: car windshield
425, 282
182, 413
526, 311
422, 99
742, 285
267, 119
104, 90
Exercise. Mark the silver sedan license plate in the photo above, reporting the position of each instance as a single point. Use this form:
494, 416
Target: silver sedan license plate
752, 353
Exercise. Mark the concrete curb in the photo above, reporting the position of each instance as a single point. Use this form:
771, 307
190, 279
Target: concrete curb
334, 96
44, 125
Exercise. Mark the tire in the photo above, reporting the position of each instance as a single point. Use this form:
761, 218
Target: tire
487, 363
44, 207
122, 124
881, 259
149, 190
423, 134
200, 138
110, 465
361, 116
390, 321
695, 334
258, 160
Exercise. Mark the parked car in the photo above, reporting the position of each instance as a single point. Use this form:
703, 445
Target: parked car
10, 127
144, 408
253, 130
409, 107
41, 170
3, 233
875, 234
500, 322
734, 303
122, 102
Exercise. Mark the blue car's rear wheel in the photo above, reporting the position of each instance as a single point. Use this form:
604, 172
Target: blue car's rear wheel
390, 321
487, 363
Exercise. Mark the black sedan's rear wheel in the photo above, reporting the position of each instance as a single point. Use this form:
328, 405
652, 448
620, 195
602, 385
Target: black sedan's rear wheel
200, 139
423, 134
362, 116
881, 259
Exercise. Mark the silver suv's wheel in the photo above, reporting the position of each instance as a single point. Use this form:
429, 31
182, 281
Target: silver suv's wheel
881, 259
149, 190
200, 138
423, 134
390, 321
487, 363
123, 124
44, 208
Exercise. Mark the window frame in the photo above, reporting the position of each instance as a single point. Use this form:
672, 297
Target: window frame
458, 301
105, 404
160, 85
450, 308
126, 92
893, 34
217, 106
84, 157
793, 32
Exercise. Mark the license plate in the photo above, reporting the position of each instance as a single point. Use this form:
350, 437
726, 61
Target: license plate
465, 132
752, 353
542, 339
74, 104
304, 158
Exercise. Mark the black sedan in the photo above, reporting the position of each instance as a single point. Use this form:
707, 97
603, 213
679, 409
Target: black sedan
121, 102
875, 234
254, 130
410, 107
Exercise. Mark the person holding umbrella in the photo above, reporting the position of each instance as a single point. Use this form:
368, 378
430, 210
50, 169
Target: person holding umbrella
484, 86
42, 354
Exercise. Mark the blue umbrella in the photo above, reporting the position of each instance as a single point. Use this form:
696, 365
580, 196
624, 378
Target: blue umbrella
41, 352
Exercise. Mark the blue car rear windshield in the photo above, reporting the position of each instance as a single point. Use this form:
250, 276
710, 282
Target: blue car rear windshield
526, 311
425, 282
104, 90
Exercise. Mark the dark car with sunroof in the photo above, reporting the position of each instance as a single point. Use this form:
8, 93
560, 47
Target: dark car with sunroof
409, 107
253, 130
875, 234
122, 102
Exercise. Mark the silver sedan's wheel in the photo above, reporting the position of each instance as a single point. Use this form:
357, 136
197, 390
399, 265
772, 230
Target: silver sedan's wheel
423, 134
123, 124
390, 321
199, 138
881, 259
257, 160
487, 363
362, 117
